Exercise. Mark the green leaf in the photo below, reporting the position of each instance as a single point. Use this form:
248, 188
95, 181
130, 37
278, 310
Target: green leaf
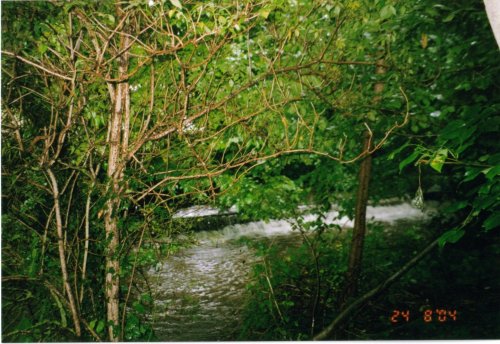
456, 206
408, 160
264, 13
485, 201
449, 17
387, 12
176, 3
453, 130
438, 161
492, 172
466, 86
222, 20
100, 326
146, 298
42, 48
139, 308
451, 236
471, 174
372, 115
492, 222
397, 151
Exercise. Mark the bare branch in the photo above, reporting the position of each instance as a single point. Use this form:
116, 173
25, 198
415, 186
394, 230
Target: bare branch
36, 65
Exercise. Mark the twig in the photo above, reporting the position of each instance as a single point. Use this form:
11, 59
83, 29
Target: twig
318, 277
272, 293
131, 280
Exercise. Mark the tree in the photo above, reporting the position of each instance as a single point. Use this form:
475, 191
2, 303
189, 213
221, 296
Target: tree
359, 230
443, 55
448, 73
133, 106
451, 135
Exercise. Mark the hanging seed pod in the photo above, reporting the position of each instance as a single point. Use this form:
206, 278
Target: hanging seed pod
418, 200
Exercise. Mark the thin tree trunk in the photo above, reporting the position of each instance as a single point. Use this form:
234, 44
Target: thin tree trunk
119, 119
359, 230
112, 283
44, 240
110, 220
87, 229
87, 236
62, 253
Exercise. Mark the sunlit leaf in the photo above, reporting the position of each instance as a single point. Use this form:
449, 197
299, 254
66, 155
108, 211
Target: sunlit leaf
387, 12
42, 48
264, 13
438, 161
176, 3
424, 40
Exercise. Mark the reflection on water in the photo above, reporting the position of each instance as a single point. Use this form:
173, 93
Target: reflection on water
199, 292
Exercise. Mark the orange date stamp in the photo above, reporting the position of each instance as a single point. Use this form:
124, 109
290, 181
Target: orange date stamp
429, 315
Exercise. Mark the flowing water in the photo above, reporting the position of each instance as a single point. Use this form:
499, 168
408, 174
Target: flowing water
199, 292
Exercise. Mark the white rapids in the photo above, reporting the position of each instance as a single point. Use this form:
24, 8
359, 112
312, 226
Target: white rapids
385, 213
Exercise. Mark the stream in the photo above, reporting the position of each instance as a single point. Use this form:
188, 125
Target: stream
199, 292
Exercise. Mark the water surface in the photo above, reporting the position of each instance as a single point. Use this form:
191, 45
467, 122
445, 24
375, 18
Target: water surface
199, 292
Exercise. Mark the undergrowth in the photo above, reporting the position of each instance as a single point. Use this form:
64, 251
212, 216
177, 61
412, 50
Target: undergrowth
295, 288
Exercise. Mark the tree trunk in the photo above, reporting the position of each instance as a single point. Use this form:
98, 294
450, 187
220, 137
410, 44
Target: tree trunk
111, 226
62, 254
115, 173
112, 234
359, 230
112, 284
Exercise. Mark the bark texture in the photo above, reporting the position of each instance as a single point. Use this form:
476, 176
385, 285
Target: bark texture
117, 143
62, 254
359, 230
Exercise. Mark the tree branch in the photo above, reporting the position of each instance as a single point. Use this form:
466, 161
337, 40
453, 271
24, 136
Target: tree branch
327, 332
36, 65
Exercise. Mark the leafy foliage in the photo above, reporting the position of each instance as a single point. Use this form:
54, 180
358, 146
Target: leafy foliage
454, 128
250, 104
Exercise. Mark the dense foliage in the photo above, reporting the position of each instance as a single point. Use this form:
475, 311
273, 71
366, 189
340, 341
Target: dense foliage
117, 114
445, 58
295, 289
